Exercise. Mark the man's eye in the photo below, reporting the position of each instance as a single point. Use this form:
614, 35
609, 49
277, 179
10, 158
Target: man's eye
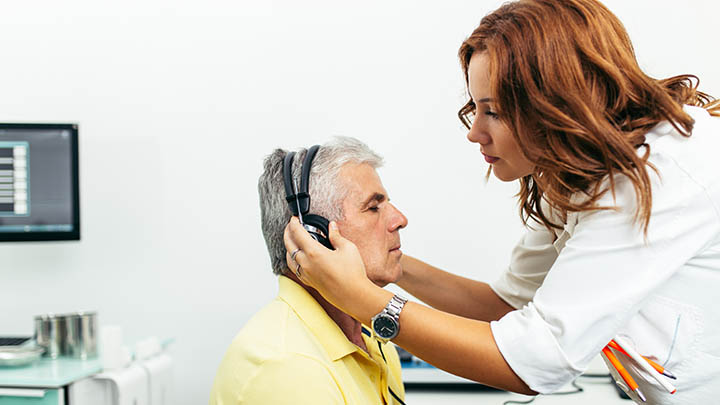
375, 209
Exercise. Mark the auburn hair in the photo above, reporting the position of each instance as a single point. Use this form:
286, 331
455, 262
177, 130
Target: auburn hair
566, 83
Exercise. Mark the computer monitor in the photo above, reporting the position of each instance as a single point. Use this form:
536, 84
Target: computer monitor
39, 184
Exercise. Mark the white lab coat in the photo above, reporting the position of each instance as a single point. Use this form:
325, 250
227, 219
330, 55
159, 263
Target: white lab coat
579, 287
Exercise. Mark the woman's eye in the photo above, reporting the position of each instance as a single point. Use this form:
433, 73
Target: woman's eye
491, 114
374, 209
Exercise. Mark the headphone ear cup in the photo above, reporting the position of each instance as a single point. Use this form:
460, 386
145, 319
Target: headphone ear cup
323, 225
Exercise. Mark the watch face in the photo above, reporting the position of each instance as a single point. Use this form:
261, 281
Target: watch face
385, 327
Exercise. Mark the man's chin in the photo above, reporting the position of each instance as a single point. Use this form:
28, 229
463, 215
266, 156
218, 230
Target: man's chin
392, 274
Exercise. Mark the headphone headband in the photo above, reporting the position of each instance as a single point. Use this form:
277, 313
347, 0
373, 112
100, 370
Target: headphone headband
305, 173
303, 196
287, 176
316, 225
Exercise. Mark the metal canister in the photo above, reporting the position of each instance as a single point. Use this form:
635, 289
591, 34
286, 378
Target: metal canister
81, 335
50, 334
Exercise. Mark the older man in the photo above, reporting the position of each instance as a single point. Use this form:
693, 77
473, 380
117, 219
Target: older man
299, 349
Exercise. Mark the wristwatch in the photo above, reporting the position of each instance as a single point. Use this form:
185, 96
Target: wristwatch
386, 325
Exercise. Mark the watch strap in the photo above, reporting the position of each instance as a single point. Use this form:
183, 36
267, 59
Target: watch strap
395, 306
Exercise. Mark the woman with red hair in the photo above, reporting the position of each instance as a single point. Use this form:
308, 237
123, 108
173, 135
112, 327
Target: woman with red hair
620, 192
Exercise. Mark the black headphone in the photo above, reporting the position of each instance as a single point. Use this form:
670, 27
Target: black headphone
299, 200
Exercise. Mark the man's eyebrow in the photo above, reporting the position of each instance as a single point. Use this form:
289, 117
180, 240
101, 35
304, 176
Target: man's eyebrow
379, 197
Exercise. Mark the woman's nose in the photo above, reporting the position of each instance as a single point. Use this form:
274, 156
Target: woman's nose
478, 133
475, 135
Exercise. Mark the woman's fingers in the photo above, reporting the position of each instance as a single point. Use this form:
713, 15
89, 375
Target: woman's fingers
298, 245
296, 236
291, 262
336, 239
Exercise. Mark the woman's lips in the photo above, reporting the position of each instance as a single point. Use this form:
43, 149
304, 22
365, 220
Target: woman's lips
490, 159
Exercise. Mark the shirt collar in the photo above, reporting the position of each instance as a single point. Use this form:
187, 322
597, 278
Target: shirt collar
328, 333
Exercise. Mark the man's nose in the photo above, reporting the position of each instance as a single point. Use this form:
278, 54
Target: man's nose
398, 220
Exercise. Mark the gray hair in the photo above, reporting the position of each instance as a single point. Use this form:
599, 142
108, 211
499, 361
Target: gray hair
326, 191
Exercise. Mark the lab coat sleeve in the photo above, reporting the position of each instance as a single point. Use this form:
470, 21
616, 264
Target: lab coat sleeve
601, 278
530, 261
293, 379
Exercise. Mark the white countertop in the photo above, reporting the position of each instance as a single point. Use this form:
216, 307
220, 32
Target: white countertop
597, 391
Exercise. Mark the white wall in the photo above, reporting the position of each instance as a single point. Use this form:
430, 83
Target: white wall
179, 101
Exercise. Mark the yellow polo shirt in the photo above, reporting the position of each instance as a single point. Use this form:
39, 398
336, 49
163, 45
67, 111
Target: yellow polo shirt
292, 352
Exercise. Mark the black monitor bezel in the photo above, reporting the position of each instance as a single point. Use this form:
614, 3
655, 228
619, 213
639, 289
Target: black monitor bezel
75, 173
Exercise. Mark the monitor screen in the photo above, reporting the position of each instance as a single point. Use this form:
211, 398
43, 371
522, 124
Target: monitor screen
39, 196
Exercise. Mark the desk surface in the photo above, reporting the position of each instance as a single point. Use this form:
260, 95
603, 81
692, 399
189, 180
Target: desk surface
597, 391
49, 373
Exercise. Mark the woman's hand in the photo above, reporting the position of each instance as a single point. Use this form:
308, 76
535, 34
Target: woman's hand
339, 275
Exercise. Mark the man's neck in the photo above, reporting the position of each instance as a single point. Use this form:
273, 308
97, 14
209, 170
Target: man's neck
349, 326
